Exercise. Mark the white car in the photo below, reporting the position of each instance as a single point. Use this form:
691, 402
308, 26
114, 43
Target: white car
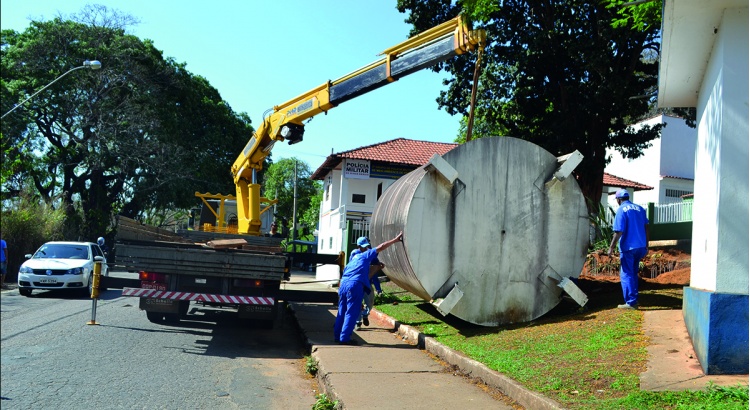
61, 265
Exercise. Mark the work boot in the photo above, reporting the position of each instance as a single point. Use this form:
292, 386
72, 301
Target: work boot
365, 320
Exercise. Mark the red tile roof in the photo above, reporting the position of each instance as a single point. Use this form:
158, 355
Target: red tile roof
615, 181
398, 151
417, 153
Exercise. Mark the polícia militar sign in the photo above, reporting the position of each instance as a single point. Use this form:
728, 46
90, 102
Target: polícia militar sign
357, 168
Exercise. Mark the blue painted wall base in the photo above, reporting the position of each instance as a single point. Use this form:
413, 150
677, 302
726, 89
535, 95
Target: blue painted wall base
718, 326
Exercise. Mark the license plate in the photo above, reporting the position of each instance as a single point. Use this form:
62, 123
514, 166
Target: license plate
48, 280
256, 308
155, 286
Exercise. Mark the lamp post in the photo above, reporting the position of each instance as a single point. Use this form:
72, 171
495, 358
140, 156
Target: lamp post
93, 64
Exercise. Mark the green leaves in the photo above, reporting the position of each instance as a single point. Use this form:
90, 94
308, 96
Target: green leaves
142, 133
556, 73
279, 183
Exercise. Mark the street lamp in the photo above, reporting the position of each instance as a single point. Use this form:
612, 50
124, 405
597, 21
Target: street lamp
93, 64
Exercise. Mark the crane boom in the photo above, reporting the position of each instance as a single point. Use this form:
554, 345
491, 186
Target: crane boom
426, 49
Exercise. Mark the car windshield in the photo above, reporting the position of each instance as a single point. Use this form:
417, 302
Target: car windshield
62, 251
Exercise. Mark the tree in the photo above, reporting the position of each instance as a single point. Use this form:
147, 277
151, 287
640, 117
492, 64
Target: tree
557, 73
141, 133
279, 184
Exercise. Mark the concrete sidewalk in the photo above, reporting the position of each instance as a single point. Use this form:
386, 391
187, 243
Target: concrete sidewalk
384, 372
388, 360
391, 370
672, 362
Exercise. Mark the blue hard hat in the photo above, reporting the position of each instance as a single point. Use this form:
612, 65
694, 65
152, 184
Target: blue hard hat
363, 242
622, 193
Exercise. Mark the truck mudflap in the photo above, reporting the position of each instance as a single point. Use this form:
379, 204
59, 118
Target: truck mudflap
199, 297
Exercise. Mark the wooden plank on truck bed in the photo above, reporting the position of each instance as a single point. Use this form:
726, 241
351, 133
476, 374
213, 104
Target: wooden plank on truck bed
196, 260
203, 236
272, 249
226, 243
131, 230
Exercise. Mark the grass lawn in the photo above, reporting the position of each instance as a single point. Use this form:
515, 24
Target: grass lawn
582, 358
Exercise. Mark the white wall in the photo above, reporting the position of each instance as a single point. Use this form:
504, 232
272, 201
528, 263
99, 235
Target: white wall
720, 235
672, 184
669, 155
677, 148
644, 169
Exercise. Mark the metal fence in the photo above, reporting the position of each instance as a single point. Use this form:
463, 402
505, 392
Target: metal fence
360, 228
675, 212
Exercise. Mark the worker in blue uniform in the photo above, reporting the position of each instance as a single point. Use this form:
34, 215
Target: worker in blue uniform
363, 244
631, 233
355, 281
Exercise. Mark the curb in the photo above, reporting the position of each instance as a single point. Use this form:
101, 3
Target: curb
325, 385
472, 368
321, 376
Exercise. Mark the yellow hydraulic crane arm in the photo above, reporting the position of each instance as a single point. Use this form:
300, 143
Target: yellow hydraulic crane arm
426, 49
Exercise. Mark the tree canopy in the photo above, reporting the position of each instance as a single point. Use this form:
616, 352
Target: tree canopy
279, 183
562, 74
140, 133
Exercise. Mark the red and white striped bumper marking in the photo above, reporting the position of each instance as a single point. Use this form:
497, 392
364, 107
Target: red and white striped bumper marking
197, 297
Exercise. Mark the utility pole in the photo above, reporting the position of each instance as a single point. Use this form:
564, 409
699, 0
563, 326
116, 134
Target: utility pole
294, 211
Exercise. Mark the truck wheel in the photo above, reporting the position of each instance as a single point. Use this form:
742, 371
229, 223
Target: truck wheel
183, 308
154, 317
266, 324
24, 292
172, 317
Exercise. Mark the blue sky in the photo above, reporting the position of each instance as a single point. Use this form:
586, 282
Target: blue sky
262, 53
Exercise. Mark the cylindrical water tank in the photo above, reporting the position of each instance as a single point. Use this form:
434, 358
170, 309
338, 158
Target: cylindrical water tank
489, 230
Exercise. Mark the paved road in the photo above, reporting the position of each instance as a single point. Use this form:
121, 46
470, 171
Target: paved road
51, 359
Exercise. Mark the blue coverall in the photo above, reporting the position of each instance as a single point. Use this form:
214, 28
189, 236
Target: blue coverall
631, 220
354, 281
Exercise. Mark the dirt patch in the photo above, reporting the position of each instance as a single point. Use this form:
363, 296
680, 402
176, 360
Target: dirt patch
667, 266
663, 275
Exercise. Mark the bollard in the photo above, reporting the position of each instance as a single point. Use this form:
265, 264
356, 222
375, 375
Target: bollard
95, 291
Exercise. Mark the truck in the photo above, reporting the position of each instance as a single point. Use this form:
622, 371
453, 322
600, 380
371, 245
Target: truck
238, 267
212, 268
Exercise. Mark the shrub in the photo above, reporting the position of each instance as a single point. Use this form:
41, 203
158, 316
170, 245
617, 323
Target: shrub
26, 225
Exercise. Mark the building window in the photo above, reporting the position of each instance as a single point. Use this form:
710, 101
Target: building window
328, 191
358, 198
330, 243
380, 191
677, 193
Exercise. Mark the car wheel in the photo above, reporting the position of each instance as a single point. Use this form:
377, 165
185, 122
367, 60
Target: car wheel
90, 285
154, 317
24, 292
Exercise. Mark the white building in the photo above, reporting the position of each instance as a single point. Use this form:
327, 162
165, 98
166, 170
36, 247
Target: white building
354, 180
667, 165
704, 64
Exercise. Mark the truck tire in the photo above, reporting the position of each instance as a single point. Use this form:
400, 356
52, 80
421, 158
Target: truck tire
154, 317
266, 324
172, 318
184, 308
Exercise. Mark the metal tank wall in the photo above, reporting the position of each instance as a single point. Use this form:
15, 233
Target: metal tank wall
489, 228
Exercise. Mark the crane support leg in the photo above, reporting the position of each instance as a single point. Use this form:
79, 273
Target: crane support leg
248, 217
